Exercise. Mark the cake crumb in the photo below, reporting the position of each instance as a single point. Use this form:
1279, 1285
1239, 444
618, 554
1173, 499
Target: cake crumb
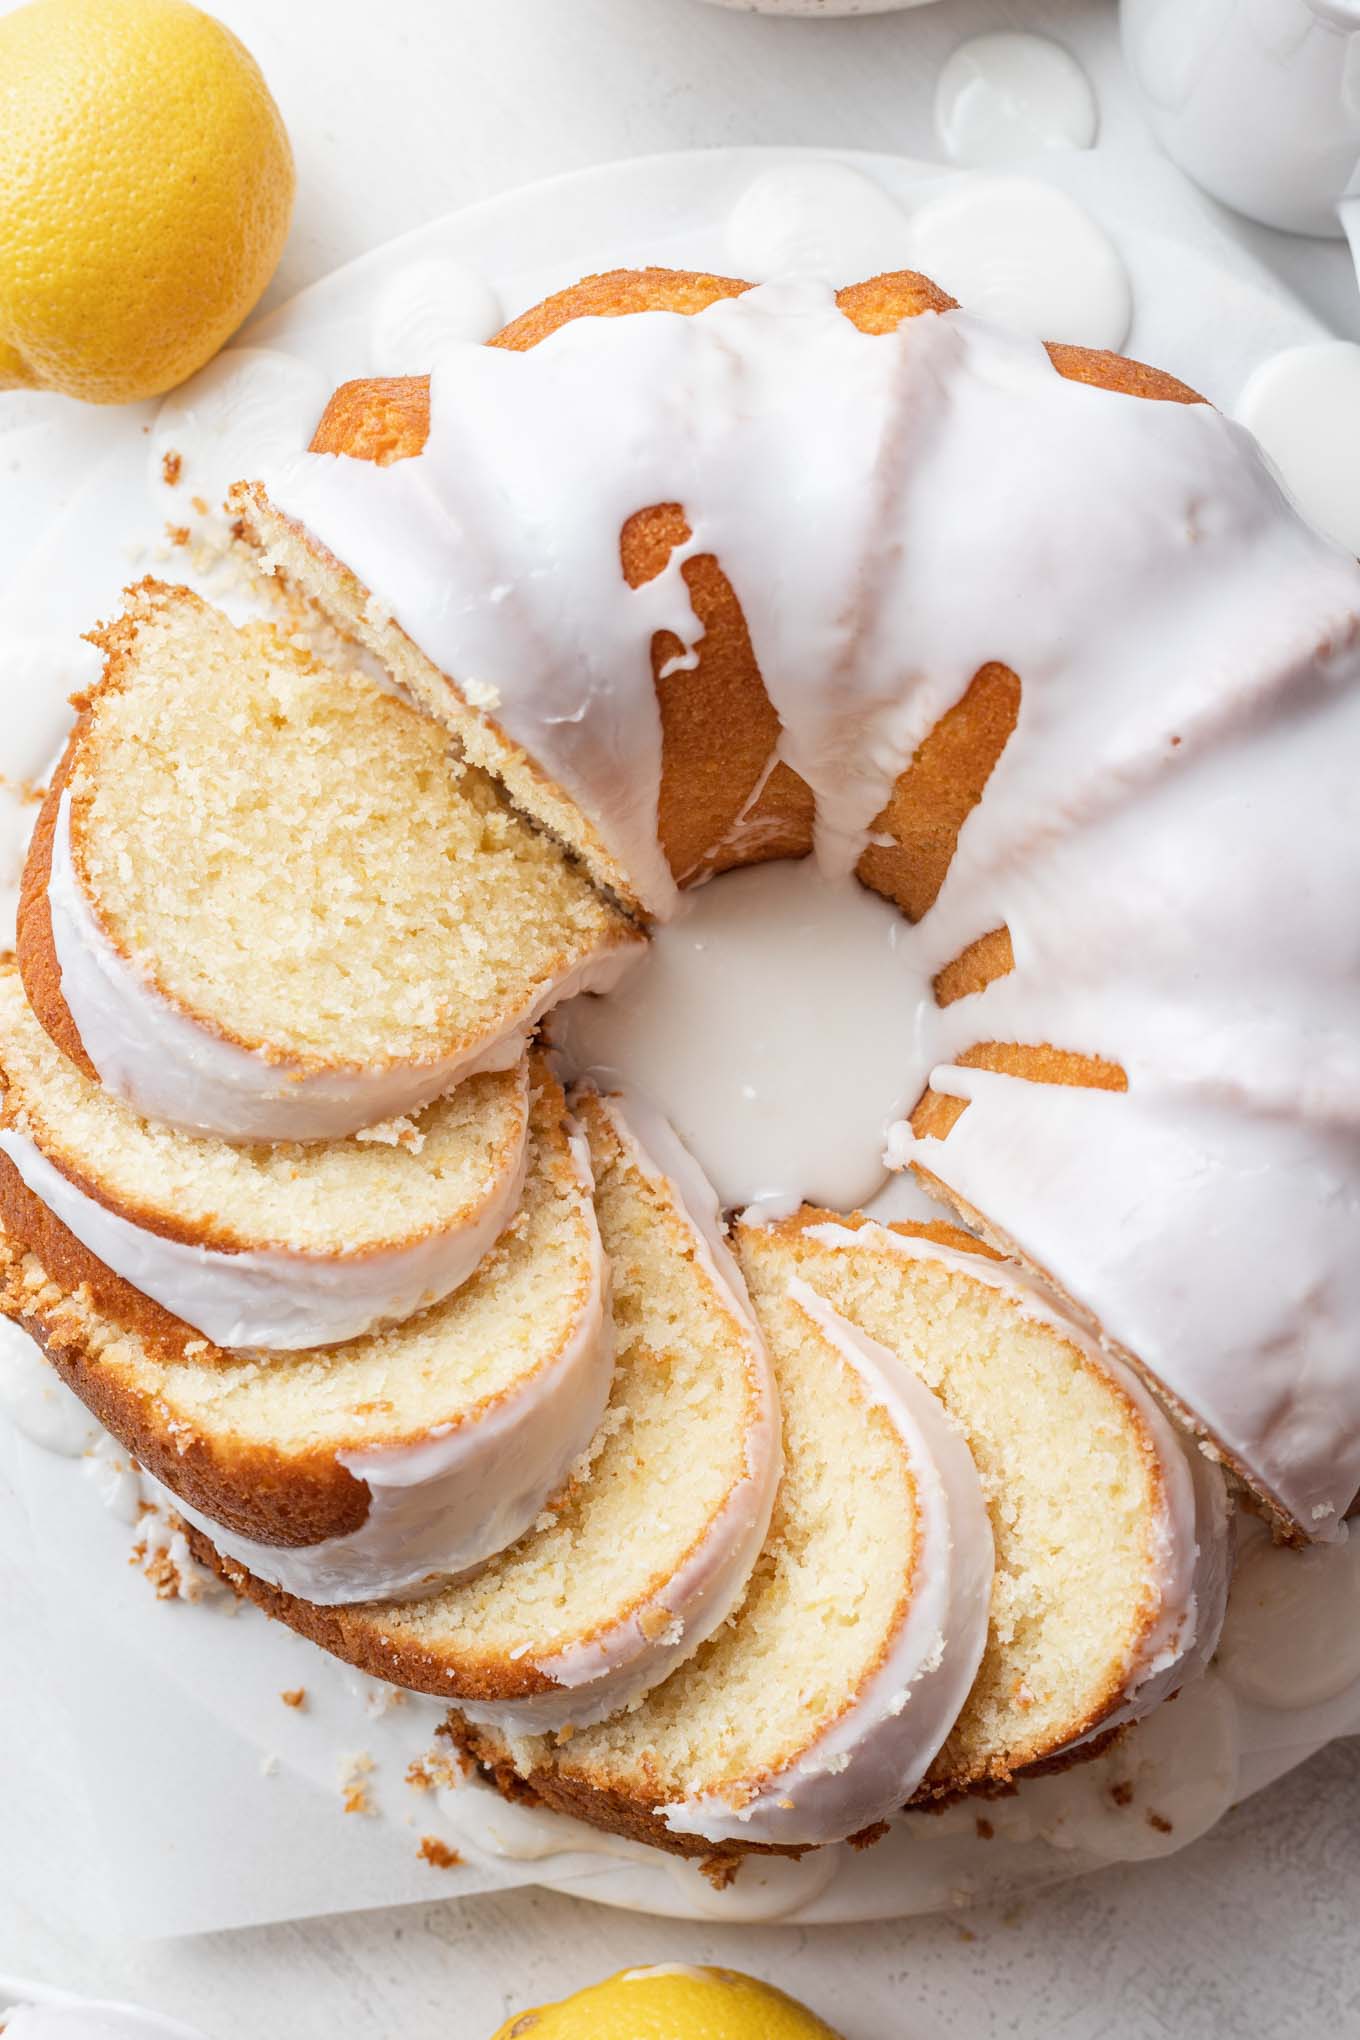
198, 505
172, 465
867, 1836
164, 1575
1121, 1792
1160, 1822
400, 1132
654, 1622
432, 1850
435, 1771
381, 1699
178, 534
353, 1771
720, 1871
985, 1831
294, 1696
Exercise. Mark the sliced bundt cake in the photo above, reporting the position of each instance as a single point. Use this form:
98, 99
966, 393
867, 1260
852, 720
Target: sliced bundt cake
707, 574
1111, 1537
368, 1468
650, 1546
264, 900
1110, 1563
818, 1709
296, 1245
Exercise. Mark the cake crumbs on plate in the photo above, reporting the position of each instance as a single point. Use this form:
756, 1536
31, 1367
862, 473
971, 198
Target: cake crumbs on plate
172, 466
438, 1853
1121, 1792
720, 1871
294, 1696
354, 1769
436, 1771
1160, 1822
985, 1831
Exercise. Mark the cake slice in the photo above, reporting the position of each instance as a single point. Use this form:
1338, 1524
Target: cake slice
817, 1711
1110, 1562
284, 1247
365, 1469
1112, 1547
265, 900
650, 1548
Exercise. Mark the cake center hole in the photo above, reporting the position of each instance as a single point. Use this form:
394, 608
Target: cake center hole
773, 1022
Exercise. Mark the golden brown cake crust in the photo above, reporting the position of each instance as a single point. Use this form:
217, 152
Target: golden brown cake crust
357, 1635
84, 1317
37, 956
615, 1814
256, 1492
719, 727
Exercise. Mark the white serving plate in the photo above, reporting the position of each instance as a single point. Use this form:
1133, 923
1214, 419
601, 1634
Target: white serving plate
190, 1693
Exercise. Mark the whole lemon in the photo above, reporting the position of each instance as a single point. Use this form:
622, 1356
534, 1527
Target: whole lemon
146, 184
671, 2003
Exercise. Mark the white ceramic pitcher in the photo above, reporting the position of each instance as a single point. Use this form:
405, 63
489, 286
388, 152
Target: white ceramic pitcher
1257, 100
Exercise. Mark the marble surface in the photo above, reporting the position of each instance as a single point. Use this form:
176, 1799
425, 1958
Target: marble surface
399, 114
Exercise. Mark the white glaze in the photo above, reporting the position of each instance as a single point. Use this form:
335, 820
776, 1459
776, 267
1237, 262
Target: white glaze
1192, 1541
612, 1670
1011, 94
169, 1066
798, 1099
37, 1401
269, 1298
1292, 1637
421, 309
1304, 407
1026, 255
248, 405
1166, 835
443, 1505
868, 1762
815, 219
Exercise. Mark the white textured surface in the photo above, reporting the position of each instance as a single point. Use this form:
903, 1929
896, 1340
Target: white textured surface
1253, 1928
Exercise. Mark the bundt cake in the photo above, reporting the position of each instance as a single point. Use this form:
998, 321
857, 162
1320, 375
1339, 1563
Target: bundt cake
650, 1546
681, 575
1028, 639
858, 1675
1111, 1537
295, 1245
365, 1469
261, 902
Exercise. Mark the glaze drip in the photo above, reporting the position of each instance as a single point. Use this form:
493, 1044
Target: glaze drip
1166, 836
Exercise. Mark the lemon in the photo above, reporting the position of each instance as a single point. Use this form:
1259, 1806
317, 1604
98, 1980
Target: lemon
146, 184
671, 2003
